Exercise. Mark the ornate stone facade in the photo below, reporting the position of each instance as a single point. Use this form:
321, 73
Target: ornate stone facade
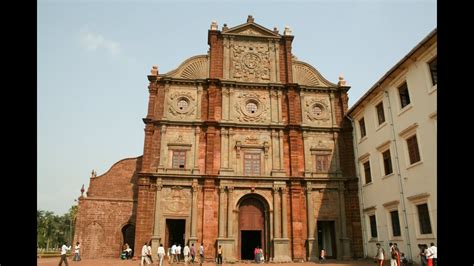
244, 147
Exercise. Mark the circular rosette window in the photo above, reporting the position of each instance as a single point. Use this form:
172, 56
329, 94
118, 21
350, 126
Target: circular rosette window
252, 107
182, 105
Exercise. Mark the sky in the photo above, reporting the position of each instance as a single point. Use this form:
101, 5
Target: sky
94, 57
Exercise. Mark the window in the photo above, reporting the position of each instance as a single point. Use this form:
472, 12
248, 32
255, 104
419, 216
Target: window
362, 127
387, 162
252, 164
317, 111
182, 104
179, 159
434, 70
404, 96
322, 163
251, 107
413, 151
373, 226
368, 177
424, 219
380, 113
395, 223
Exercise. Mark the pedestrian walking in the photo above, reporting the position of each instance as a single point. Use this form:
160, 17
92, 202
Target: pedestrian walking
144, 259
77, 256
380, 255
201, 253
434, 250
219, 255
186, 254
149, 252
64, 250
161, 254
192, 251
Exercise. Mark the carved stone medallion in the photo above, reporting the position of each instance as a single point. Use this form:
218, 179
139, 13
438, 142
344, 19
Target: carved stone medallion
250, 62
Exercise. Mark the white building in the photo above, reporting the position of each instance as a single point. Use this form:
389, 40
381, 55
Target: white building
396, 153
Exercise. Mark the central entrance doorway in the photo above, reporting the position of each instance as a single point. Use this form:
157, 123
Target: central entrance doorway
250, 238
175, 232
252, 226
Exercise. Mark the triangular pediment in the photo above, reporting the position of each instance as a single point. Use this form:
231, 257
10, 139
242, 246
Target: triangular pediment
251, 29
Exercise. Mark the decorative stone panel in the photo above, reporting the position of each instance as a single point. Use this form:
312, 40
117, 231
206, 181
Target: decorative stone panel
176, 200
251, 106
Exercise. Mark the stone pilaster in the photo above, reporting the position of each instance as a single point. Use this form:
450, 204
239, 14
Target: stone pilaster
344, 239
221, 211
281, 246
194, 209
312, 252
156, 237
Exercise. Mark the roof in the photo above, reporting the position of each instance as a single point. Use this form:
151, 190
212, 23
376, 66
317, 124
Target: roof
431, 35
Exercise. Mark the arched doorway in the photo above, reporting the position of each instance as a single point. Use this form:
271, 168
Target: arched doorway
128, 233
253, 228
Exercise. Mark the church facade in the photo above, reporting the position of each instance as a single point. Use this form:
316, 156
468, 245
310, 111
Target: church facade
245, 146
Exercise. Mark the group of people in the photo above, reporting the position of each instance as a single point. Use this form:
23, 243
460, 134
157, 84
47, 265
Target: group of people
64, 250
126, 252
258, 252
174, 254
428, 256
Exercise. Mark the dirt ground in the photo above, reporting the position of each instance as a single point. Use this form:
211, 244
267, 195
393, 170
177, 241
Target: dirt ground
115, 262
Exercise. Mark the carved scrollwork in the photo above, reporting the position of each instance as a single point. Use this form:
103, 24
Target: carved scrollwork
251, 107
251, 62
317, 109
181, 104
176, 199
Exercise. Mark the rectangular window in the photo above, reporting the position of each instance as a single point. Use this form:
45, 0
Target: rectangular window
434, 70
387, 162
413, 151
362, 127
179, 159
373, 226
252, 164
380, 113
404, 96
395, 223
322, 163
368, 176
424, 218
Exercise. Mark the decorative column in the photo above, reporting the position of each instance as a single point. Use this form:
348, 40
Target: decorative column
156, 237
346, 255
230, 208
281, 246
221, 211
162, 149
194, 209
307, 156
284, 213
197, 131
281, 135
312, 252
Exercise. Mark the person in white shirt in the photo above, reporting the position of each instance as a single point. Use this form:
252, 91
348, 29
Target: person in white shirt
429, 256
434, 250
161, 254
64, 250
149, 252
178, 252
173, 253
186, 254
145, 255
201, 253
77, 256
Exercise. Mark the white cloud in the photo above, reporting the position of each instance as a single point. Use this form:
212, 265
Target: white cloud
94, 41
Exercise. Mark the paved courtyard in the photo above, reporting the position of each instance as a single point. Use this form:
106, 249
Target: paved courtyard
114, 262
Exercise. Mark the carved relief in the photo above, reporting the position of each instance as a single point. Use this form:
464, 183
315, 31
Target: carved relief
250, 62
181, 104
317, 109
176, 199
251, 107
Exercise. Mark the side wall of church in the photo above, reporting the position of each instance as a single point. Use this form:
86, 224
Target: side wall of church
109, 206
